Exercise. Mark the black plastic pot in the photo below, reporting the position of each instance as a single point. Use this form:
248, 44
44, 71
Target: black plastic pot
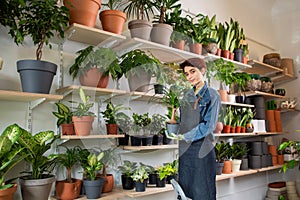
169, 178
254, 162
166, 140
127, 182
160, 183
158, 89
219, 168
36, 76
147, 140
239, 99
157, 139
140, 187
244, 165
152, 179
124, 141
256, 148
135, 141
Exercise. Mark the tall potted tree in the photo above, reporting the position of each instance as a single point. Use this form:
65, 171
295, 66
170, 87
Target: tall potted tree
141, 10
41, 20
9, 156
37, 182
70, 187
82, 116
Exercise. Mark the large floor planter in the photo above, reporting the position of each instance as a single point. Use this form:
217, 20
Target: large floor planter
36, 189
8, 194
139, 81
161, 33
36, 76
113, 21
83, 125
67, 191
93, 189
140, 29
83, 12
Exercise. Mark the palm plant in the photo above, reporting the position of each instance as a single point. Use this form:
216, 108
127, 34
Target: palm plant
140, 9
165, 8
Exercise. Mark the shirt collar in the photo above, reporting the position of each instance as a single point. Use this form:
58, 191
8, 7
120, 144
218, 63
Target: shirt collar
202, 91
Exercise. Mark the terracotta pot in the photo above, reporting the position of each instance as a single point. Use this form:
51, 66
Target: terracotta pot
227, 167
112, 129
243, 130
238, 129
272, 149
225, 54
196, 48
226, 129
178, 44
232, 130
108, 183
280, 159
218, 53
83, 125
245, 60
223, 95
270, 115
90, 78
231, 55
272, 126
274, 160
83, 12
113, 20
278, 126
68, 191
103, 82
8, 194
219, 127
277, 115
67, 129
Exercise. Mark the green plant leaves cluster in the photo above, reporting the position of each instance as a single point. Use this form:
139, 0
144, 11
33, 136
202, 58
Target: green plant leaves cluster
64, 114
112, 113
84, 106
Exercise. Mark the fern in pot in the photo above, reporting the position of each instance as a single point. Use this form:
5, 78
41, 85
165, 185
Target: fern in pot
40, 20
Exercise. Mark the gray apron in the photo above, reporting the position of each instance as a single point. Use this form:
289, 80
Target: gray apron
196, 175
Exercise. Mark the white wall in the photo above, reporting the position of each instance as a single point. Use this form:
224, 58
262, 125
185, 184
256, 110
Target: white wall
272, 22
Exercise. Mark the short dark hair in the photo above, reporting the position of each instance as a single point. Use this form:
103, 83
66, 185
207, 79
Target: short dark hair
194, 62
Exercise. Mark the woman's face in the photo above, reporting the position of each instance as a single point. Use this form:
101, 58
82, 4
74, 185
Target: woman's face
194, 75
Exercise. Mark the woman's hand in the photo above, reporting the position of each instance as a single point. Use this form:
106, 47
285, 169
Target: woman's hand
174, 136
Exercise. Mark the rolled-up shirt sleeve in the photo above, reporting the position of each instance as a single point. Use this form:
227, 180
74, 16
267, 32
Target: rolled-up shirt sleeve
210, 119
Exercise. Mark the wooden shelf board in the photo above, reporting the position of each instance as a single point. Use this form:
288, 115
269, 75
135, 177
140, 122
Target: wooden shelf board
162, 52
246, 172
150, 190
265, 94
272, 133
92, 36
261, 68
76, 137
152, 147
239, 65
237, 104
289, 110
98, 91
234, 134
8, 95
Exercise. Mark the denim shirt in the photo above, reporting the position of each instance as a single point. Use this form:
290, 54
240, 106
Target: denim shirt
209, 106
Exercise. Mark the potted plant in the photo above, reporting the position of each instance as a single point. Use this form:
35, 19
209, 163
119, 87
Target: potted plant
211, 45
291, 147
239, 37
161, 31
157, 128
152, 172
241, 79
198, 33
113, 20
142, 122
140, 27
138, 67
64, 118
83, 12
111, 115
127, 169
9, 156
173, 171
82, 117
228, 119
37, 183
93, 66
69, 188
227, 40
221, 150
36, 75
124, 125
140, 176
163, 172
238, 150
91, 165
110, 159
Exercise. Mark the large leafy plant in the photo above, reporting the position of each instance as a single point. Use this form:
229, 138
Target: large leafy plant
84, 106
222, 150
9, 152
112, 113
291, 164
36, 146
127, 168
39, 19
165, 8
139, 9
63, 114
105, 59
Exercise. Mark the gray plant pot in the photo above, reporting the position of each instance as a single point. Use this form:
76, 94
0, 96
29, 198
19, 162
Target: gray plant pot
256, 148
139, 81
36, 189
219, 168
173, 128
92, 189
140, 29
161, 33
36, 76
255, 162
244, 165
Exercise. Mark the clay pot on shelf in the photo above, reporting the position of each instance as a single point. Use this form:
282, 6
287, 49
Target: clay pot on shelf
113, 21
